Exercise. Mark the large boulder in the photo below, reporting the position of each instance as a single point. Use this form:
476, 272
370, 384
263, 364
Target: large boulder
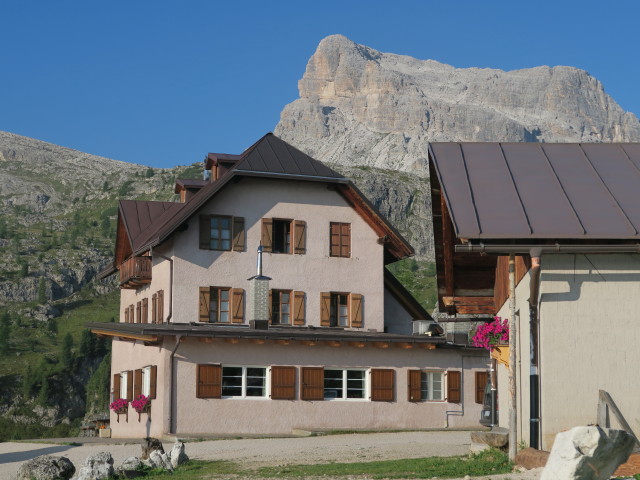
159, 460
130, 468
178, 455
46, 467
149, 445
587, 453
96, 467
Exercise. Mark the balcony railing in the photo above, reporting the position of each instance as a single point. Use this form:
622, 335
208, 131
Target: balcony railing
135, 272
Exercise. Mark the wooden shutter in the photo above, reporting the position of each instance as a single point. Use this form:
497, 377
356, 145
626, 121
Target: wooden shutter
145, 310
453, 386
132, 314
209, 381
356, 310
334, 245
129, 385
267, 234
138, 312
312, 383
481, 382
116, 386
137, 383
298, 308
205, 303
345, 240
153, 381
237, 305
325, 309
415, 390
300, 236
205, 232
154, 308
238, 234
382, 384
126, 314
283, 383
160, 306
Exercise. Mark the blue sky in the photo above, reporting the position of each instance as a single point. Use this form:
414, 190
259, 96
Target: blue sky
162, 83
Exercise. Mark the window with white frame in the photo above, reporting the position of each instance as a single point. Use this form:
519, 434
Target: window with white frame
146, 381
344, 384
244, 382
432, 385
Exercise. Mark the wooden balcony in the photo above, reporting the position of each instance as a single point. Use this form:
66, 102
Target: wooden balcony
135, 272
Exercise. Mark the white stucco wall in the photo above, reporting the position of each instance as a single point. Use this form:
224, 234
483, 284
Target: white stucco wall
589, 335
313, 272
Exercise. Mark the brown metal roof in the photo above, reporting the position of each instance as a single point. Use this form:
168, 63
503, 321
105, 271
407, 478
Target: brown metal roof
540, 190
142, 218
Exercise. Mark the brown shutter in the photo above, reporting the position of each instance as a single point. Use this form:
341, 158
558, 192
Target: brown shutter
126, 314
160, 306
345, 240
453, 386
382, 384
138, 312
132, 314
205, 232
334, 244
145, 310
356, 310
237, 305
481, 382
153, 381
209, 381
267, 234
300, 236
415, 387
116, 386
137, 383
325, 309
205, 303
312, 383
129, 385
154, 308
283, 383
298, 308
238, 234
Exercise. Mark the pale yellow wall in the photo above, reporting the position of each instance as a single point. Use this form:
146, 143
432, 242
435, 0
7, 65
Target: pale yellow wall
313, 272
589, 336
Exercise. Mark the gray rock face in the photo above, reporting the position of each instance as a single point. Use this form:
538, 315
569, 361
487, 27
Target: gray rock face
96, 467
46, 467
178, 455
359, 106
587, 453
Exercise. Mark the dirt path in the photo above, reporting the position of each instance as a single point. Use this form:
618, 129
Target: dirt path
266, 452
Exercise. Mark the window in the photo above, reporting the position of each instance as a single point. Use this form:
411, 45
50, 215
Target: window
340, 240
146, 381
244, 382
221, 305
126, 385
343, 384
283, 236
222, 232
431, 384
339, 309
281, 307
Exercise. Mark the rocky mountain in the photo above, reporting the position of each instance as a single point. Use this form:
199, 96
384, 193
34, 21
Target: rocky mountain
359, 106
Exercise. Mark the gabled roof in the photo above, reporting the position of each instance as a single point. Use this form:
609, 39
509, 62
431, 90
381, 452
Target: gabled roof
540, 190
269, 157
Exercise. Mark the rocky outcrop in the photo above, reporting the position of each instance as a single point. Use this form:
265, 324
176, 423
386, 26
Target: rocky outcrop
46, 467
359, 106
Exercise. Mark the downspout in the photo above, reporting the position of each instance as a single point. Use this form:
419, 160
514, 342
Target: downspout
170, 284
458, 413
171, 369
513, 332
534, 376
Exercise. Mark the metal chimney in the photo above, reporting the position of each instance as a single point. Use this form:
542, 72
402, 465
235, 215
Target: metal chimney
258, 298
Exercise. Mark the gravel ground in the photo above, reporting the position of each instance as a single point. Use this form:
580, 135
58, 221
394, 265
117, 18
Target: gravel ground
271, 451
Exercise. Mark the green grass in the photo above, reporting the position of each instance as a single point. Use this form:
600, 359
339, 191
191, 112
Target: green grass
486, 463
419, 277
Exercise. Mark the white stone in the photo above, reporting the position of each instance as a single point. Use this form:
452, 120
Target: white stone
178, 455
587, 453
96, 467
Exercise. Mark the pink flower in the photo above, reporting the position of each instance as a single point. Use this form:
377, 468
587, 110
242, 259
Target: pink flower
492, 333
141, 403
119, 404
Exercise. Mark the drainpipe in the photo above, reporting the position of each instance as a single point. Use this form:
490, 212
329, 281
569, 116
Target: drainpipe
170, 283
171, 368
458, 413
513, 332
494, 392
534, 377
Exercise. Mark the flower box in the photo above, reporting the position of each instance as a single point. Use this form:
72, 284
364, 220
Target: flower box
501, 354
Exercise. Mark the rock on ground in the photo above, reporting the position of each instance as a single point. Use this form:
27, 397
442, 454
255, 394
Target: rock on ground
149, 445
587, 453
46, 467
96, 467
159, 460
178, 455
130, 468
